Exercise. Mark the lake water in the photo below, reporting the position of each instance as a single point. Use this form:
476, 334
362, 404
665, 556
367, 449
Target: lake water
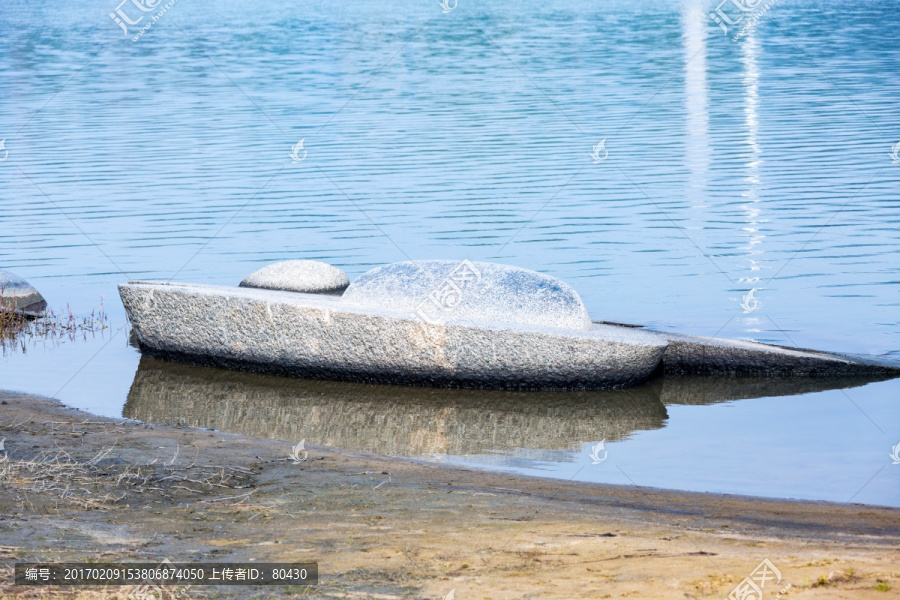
760, 163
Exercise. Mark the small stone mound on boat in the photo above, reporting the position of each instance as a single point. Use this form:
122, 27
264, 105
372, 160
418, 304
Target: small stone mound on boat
438, 291
18, 296
308, 276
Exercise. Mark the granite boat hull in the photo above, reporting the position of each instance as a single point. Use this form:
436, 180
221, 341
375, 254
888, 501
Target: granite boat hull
325, 337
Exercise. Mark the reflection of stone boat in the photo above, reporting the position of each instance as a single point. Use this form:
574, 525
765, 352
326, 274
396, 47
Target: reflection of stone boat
405, 421
437, 323
385, 419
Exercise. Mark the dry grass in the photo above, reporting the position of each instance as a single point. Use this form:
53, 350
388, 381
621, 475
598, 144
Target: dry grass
100, 483
834, 577
10, 322
17, 330
56, 473
56, 480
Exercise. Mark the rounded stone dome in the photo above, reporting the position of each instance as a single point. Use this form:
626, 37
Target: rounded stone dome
309, 276
461, 291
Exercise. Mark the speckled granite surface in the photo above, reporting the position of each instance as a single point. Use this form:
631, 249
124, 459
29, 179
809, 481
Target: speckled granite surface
440, 323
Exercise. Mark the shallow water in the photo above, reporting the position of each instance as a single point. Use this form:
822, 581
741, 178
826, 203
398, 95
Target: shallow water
761, 163
765, 437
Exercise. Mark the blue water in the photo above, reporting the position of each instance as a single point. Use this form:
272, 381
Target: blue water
812, 447
760, 163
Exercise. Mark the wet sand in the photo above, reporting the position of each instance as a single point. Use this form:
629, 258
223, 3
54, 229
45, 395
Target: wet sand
77, 487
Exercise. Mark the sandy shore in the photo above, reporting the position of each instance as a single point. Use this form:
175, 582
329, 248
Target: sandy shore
76, 487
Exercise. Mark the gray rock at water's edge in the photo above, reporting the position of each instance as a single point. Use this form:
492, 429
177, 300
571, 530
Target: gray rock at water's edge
460, 291
17, 295
309, 276
326, 337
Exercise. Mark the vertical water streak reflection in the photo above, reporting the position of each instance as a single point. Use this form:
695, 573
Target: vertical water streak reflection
697, 147
751, 206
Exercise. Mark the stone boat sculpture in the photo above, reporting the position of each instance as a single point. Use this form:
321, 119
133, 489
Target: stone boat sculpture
437, 323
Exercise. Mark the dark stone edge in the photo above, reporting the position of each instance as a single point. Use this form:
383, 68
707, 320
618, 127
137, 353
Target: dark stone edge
693, 357
326, 292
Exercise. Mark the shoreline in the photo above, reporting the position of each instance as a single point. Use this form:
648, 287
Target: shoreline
404, 527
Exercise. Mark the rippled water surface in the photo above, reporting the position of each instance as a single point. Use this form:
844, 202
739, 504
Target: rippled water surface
762, 163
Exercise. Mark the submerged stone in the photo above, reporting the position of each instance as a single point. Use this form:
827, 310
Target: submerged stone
438, 291
696, 355
17, 295
308, 276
